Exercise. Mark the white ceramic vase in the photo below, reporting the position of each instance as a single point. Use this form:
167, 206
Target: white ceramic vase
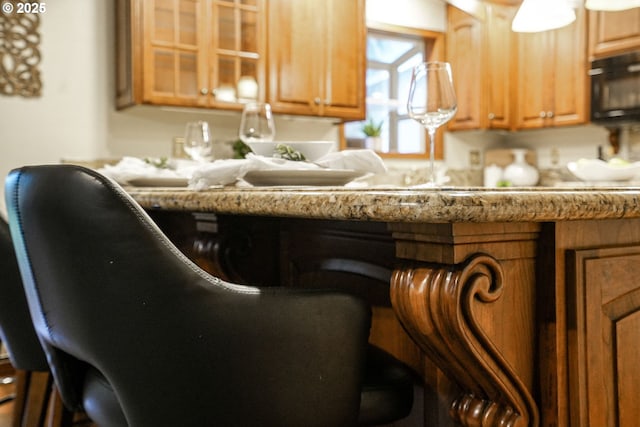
520, 173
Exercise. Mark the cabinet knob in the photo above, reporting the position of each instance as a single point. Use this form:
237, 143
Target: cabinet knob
204, 91
492, 116
543, 114
327, 102
550, 114
317, 101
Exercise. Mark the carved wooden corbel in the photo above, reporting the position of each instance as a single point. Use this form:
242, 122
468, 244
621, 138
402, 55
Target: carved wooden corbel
436, 305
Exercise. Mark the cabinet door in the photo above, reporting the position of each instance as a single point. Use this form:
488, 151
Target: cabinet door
570, 82
498, 51
480, 55
604, 330
344, 38
295, 61
535, 74
237, 46
552, 77
613, 33
317, 57
173, 52
464, 52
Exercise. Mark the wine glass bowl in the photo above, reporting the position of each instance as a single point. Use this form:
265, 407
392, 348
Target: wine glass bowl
432, 101
257, 124
197, 141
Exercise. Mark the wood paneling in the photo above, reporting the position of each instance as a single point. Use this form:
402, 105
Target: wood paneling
603, 302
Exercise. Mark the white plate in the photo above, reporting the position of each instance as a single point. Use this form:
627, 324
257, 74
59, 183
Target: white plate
159, 182
301, 177
594, 170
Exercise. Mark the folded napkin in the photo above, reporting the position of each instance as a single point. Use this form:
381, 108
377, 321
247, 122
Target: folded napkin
224, 172
131, 168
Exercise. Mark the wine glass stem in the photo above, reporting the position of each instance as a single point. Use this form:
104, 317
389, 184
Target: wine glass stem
432, 156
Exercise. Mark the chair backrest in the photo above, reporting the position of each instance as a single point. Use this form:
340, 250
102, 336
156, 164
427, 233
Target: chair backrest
16, 328
107, 290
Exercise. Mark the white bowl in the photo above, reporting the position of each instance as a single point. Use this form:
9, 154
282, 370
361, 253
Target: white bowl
312, 150
595, 170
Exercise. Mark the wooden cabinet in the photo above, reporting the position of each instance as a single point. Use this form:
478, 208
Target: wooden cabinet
552, 77
464, 53
479, 50
612, 33
604, 320
317, 57
183, 52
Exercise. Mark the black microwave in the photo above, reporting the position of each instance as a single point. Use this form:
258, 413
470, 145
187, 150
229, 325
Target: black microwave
615, 89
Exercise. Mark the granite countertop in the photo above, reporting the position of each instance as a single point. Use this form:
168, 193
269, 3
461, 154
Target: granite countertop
443, 205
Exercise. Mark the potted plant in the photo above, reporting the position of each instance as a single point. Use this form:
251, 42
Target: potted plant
372, 131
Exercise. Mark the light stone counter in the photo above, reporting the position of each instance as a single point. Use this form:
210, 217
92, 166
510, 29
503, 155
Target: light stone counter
446, 205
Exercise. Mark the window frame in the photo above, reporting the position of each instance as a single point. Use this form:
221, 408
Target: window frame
434, 51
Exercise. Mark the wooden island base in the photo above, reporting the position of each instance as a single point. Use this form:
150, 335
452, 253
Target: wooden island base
506, 323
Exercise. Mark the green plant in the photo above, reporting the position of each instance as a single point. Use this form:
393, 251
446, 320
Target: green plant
240, 149
371, 128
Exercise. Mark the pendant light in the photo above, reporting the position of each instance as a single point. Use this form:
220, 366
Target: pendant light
611, 5
542, 15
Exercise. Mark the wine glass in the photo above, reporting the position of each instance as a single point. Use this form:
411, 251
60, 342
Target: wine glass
256, 124
197, 140
432, 101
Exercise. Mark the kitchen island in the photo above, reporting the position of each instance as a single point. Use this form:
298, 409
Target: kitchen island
516, 306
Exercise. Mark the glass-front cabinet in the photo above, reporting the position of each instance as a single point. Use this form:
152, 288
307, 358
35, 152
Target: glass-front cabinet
236, 70
205, 53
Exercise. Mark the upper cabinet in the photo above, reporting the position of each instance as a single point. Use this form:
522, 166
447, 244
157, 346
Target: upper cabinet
479, 50
317, 57
188, 52
552, 77
507, 80
194, 53
612, 33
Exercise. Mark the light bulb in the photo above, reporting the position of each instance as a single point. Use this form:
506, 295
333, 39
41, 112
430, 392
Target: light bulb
542, 15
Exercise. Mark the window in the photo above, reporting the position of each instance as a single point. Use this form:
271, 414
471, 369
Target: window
390, 59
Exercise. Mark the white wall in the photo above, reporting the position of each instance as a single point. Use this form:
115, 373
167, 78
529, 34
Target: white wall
69, 119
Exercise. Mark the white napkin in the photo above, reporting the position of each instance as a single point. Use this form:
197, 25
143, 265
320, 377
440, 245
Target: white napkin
366, 161
224, 172
130, 168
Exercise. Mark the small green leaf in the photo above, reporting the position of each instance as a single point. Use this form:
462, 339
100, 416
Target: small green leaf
161, 163
240, 149
288, 153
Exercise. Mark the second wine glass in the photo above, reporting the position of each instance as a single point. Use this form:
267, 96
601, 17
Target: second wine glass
432, 101
197, 140
256, 124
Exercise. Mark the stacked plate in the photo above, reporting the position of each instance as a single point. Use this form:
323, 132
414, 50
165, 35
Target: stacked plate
595, 170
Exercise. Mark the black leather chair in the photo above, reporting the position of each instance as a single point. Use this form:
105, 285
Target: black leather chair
119, 310
33, 383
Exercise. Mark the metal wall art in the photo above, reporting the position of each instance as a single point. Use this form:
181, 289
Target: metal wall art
19, 51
